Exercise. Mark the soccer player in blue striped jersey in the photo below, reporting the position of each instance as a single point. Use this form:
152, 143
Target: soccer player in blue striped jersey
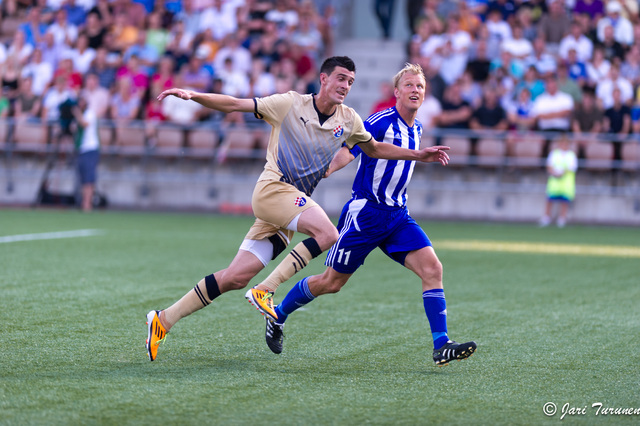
377, 216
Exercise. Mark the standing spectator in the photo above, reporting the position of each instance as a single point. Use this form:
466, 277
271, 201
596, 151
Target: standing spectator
88, 145
384, 13
586, 121
41, 73
562, 164
552, 110
552, 26
578, 41
622, 28
606, 87
617, 121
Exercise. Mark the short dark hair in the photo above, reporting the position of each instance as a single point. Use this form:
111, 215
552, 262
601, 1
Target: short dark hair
337, 61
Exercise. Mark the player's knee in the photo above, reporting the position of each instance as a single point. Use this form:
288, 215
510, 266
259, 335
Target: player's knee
328, 238
231, 281
432, 272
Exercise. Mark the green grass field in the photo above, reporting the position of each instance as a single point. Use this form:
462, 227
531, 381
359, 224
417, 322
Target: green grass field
555, 314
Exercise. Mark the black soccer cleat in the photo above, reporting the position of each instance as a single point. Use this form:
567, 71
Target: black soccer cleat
274, 336
453, 350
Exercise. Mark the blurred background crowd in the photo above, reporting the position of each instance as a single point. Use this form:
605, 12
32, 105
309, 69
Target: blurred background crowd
558, 65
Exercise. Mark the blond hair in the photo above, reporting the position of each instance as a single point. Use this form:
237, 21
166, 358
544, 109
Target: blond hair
408, 68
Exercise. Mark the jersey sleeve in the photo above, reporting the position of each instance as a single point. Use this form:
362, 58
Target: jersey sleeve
274, 108
358, 133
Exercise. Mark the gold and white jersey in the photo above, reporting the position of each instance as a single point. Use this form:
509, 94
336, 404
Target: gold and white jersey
300, 148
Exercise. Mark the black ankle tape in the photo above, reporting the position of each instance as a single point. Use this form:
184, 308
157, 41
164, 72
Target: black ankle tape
312, 245
212, 286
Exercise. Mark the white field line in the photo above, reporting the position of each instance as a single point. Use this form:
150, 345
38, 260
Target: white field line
542, 248
51, 235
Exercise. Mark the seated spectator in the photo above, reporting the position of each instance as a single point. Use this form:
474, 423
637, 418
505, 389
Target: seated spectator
64, 32
72, 77
19, 49
541, 59
630, 68
489, 116
265, 46
179, 111
613, 50
577, 41
95, 30
622, 28
97, 97
518, 47
567, 84
147, 55
598, 68
105, 71
479, 63
454, 50
524, 18
51, 52
26, 104
552, 111
429, 110
530, 82
157, 37
123, 33
11, 72
635, 114
196, 75
207, 46
606, 87
34, 27
76, 14
234, 82
387, 98
552, 25
456, 112
82, 55
263, 82
519, 111
308, 37
576, 69
40, 72
586, 119
54, 97
136, 74
617, 121
498, 31
180, 44
162, 79
590, 7
471, 90
220, 18
285, 18
231, 48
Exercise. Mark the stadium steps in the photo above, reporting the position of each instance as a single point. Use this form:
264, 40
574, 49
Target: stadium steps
376, 61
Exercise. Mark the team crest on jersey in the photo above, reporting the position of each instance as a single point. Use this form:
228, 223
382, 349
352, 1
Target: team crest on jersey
338, 131
300, 201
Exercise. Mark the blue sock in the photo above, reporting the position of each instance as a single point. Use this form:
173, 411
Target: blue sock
297, 297
436, 309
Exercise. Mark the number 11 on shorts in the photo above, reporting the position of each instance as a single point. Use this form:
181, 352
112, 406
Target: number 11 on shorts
346, 256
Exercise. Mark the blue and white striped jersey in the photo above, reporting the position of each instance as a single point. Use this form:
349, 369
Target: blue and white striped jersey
385, 181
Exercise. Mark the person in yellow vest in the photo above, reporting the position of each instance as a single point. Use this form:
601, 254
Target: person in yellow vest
562, 164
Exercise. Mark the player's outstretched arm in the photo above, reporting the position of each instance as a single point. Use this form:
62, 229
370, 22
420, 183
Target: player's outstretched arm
431, 154
223, 103
340, 160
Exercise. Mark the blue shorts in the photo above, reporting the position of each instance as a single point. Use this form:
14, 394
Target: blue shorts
365, 225
87, 166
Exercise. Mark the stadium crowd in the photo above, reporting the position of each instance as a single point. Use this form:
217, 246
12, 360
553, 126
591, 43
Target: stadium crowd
558, 65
